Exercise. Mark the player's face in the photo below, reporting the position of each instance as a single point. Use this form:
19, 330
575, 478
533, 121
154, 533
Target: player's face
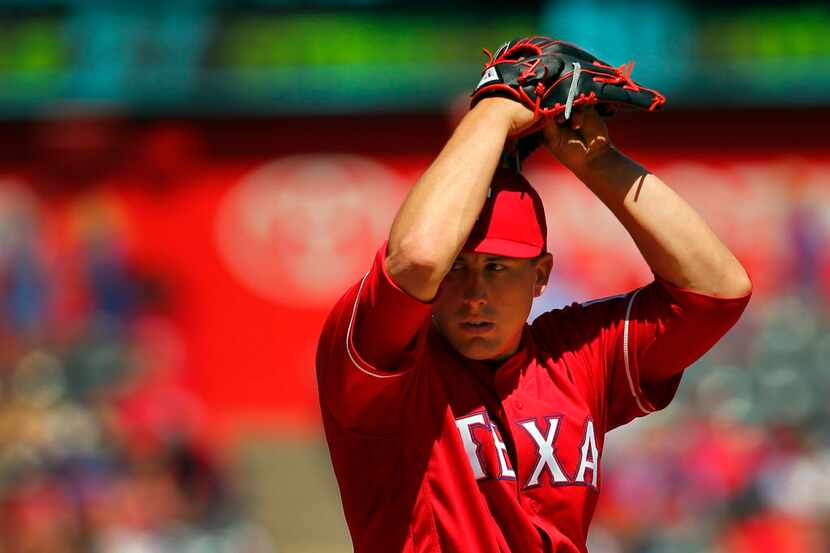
484, 301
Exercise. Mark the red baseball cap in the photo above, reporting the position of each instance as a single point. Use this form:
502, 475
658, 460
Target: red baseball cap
512, 222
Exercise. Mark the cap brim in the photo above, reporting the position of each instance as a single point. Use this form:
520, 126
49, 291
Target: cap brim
506, 248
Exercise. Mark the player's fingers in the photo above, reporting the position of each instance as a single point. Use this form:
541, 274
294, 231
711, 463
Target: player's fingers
592, 124
561, 138
576, 119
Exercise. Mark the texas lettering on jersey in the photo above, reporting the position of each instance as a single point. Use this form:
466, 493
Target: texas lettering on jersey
475, 428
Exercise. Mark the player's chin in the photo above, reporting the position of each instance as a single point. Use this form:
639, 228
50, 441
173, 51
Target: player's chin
475, 356
478, 348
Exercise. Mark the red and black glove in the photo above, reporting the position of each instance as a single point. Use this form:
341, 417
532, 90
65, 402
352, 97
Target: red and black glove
551, 78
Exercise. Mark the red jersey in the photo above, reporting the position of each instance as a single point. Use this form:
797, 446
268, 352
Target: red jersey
437, 452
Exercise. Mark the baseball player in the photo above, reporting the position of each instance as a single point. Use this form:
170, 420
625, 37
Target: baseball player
455, 426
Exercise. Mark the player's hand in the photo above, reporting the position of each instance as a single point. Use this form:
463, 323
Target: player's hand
578, 141
517, 115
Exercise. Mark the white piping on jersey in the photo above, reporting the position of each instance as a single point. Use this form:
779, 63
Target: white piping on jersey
348, 338
626, 353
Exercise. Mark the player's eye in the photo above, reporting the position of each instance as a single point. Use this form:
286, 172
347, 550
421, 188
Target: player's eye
496, 267
457, 265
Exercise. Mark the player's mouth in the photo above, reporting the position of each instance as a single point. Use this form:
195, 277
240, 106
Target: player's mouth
477, 327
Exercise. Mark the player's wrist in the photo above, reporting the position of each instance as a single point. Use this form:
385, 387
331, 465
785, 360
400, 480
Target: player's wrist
515, 116
601, 157
610, 167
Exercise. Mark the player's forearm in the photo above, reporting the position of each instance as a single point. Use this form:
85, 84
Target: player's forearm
437, 216
674, 239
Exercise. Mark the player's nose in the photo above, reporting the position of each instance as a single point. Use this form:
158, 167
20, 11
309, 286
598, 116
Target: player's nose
475, 287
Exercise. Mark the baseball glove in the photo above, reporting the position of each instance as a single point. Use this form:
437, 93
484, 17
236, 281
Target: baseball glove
551, 78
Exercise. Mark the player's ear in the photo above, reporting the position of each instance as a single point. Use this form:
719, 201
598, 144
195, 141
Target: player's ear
544, 266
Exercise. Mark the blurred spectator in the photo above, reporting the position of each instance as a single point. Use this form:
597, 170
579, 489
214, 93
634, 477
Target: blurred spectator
99, 445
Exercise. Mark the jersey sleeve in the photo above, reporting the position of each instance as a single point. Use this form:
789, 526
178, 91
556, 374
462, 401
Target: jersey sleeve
638, 344
362, 361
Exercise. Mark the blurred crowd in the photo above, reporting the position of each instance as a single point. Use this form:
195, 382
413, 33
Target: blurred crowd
100, 448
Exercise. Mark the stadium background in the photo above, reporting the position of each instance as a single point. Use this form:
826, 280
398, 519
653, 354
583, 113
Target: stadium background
186, 186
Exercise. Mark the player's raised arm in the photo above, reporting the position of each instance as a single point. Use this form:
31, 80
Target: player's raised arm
673, 238
435, 220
